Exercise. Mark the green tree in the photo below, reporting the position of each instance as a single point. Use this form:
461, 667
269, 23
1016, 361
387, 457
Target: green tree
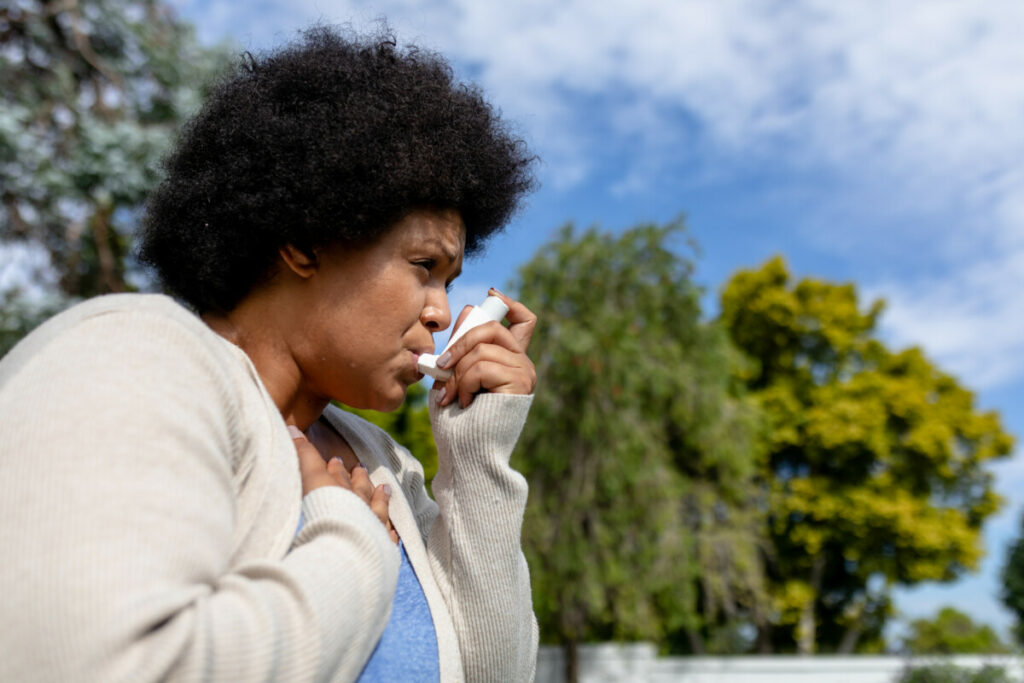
950, 673
951, 632
91, 92
876, 468
409, 426
1012, 592
640, 523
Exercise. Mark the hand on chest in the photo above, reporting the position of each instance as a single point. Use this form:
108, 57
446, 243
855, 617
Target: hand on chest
343, 469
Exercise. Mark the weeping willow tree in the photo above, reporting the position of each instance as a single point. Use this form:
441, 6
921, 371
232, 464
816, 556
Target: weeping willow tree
640, 457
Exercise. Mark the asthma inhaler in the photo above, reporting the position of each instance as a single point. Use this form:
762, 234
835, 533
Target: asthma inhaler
492, 308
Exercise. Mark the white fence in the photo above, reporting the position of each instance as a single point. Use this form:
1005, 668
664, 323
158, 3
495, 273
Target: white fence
608, 663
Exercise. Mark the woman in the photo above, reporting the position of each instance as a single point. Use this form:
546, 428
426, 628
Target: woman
154, 520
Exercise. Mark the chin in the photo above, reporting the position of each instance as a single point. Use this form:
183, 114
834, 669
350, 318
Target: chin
390, 402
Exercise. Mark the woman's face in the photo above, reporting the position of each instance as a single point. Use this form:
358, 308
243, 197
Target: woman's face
371, 311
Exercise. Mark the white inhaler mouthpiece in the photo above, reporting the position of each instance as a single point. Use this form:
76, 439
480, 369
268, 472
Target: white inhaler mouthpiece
492, 308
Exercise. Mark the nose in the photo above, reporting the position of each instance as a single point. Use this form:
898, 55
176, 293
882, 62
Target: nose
436, 314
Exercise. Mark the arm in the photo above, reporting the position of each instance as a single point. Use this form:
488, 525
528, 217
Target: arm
117, 515
474, 543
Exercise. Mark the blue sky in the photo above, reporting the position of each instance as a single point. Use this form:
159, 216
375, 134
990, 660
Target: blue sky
877, 142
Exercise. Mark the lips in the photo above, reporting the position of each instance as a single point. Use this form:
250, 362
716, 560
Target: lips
415, 363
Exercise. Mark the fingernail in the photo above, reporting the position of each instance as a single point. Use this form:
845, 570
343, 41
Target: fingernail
340, 461
361, 465
497, 291
296, 432
440, 396
387, 490
443, 360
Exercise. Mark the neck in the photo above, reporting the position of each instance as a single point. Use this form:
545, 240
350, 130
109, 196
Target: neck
251, 327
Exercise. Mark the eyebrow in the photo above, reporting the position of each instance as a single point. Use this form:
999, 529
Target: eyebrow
448, 253
451, 255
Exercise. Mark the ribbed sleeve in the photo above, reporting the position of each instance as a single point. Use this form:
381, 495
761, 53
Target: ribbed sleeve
119, 433
475, 542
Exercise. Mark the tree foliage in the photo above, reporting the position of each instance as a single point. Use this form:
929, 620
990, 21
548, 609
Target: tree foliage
1012, 592
950, 673
951, 632
640, 523
876, 458
91, 92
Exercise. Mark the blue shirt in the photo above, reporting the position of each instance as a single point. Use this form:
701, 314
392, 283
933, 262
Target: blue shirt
407, 650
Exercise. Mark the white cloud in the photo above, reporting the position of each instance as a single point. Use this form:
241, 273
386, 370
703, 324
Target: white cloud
937, 81
914, 109
929, 91
970, 320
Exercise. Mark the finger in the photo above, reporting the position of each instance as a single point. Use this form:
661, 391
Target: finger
379, 503
361, 483
492, 368
522, 321
312, 469
488, 333
336, 468
493, 352
507, 380
502, 371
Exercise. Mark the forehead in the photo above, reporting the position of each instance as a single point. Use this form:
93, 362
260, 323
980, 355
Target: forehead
442, 228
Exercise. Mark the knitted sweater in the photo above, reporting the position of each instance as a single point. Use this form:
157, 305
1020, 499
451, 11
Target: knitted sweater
149, 495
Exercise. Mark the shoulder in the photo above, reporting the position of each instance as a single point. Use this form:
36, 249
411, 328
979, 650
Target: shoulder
130, 312
138, 366
142, 344
115, 327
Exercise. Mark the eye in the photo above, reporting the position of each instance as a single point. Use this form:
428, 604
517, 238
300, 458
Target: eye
426, 264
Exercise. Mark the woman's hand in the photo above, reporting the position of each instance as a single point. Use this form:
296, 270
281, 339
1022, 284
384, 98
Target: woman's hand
316, 473
491, 357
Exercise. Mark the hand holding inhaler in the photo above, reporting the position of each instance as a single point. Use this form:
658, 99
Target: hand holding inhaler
481, 357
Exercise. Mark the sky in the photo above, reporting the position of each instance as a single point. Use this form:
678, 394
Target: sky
875, 142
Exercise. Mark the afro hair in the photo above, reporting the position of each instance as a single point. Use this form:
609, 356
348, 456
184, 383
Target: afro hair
328, 141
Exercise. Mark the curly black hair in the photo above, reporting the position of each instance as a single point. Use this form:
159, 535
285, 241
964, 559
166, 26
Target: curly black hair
328, 140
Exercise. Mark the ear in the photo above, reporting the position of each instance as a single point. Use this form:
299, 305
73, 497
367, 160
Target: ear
298, 261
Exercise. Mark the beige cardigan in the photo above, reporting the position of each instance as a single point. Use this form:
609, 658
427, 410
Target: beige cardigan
149, 496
